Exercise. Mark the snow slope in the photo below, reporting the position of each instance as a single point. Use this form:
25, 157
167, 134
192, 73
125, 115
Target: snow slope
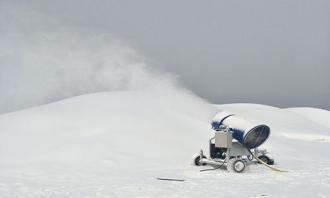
115, 144
320, 116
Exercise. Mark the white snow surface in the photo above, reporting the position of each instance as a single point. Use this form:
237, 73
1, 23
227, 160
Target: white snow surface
115, 144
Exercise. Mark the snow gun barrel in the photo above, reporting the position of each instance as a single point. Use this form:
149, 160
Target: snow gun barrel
247, 132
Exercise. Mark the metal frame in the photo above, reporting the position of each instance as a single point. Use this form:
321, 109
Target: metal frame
234, 152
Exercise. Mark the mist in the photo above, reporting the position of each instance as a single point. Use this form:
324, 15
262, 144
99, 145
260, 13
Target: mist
43, 60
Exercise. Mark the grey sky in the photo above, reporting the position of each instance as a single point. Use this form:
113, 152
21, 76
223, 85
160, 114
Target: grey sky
271, 52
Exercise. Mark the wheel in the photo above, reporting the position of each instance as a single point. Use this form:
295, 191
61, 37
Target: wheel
197, 159
239, 166
265, 159
236, 165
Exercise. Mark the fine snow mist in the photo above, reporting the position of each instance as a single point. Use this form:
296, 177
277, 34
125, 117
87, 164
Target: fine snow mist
43, 60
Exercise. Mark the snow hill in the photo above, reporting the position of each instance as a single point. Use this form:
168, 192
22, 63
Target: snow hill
115, 144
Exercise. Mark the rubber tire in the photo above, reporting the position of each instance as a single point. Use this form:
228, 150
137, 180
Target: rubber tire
232, 165
196, 161
265, 159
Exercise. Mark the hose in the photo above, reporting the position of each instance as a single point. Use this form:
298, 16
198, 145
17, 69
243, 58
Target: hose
265, 164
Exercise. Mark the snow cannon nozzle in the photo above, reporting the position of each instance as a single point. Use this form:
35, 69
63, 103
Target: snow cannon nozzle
248, 132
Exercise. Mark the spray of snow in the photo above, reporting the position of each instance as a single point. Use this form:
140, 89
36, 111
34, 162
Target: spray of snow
43, 60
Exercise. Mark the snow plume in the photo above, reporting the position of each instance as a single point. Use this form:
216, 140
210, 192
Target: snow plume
44, 60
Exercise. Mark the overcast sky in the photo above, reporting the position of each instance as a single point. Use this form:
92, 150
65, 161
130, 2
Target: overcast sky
271, 52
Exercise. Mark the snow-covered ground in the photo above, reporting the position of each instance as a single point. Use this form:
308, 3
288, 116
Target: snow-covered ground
115, 144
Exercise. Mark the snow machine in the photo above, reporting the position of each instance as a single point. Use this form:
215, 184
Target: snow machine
235, 144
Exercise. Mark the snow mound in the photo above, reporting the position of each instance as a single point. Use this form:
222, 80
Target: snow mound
116, 144
104, 127
320, 116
